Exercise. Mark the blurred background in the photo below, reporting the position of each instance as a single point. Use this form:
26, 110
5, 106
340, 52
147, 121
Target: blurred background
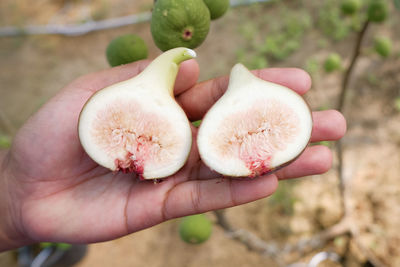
279, 33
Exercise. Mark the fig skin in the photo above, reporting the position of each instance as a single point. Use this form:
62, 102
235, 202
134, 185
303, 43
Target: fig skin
217, 8
333, 62
383, 46
195, 229
179, 23
125, 49
378, 11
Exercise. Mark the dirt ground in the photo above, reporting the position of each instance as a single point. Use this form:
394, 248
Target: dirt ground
34, 68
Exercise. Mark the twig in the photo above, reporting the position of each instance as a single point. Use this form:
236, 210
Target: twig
271, 249
75, 29
342, 98
343, 188
250, 240
319, 240
347, 75
90, 25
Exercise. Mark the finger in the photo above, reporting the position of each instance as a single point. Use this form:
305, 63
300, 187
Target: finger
200, 196
314, 160
101, 79
328, 125
187, 76
201, 97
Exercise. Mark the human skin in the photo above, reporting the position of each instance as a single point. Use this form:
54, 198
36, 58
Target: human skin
50, 190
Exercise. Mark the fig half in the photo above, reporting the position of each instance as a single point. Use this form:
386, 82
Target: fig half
136, 125
255, 128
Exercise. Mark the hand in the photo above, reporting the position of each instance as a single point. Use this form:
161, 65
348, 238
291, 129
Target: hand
52, 191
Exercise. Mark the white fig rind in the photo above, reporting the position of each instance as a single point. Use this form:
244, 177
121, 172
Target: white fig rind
254, 128
136, 125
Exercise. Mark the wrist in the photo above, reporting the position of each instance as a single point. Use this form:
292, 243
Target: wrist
10, 237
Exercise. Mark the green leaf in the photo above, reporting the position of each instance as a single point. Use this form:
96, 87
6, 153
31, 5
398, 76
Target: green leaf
397, 4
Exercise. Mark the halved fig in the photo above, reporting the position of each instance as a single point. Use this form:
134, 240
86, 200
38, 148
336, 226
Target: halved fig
136, 125
256, 127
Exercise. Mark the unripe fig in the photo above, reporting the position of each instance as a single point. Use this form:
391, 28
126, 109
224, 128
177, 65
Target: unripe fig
255, 128
333, 62
136, 125
217, 7
378, 11
349, 7
179, 23
195, 229
383, 46
126, 49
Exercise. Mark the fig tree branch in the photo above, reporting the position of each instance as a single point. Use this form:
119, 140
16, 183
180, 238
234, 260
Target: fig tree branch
342, 98
271, 249
91, 25
349, 71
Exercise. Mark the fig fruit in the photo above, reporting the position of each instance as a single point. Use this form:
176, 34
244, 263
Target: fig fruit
333, 62
377, 11
349, 7
217, 7
255, 128
179, 23
383, 46
136, 125
195, 229
126, 49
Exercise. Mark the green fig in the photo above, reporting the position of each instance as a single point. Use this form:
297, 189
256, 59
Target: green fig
136, 126
350, 7
126, 49
378, 11
383, 46
195, 229
333, 62
217, 7
179, 23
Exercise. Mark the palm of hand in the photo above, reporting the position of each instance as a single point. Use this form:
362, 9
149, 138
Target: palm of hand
64, 196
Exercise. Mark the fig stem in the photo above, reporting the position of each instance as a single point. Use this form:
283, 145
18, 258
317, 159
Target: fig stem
185, 55
166, 66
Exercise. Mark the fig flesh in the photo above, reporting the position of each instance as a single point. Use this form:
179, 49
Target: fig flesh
136, 125
255, 128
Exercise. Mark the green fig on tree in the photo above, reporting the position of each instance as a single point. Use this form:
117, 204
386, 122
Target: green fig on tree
383, 46
333, 62
349, 7
378, 11
217, 7
195, 229
179, 23
126, 49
